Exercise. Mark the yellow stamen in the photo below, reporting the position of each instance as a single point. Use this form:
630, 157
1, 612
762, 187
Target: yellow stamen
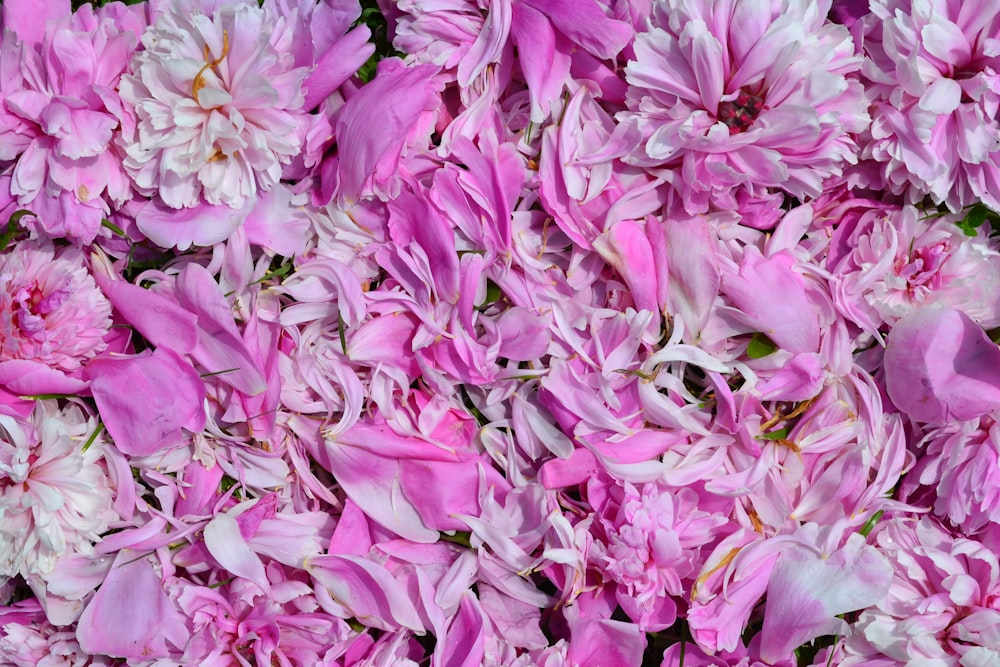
199, 79
726, 560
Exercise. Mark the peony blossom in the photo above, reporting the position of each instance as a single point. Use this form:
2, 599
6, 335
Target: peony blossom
934, 72
653, 551
51, 311
740, 97
887, 263
55, 498
59, 114
218, 105
942, 604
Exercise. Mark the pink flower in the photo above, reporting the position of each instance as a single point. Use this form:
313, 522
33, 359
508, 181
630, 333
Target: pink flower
958, 471
218, 104
28, 640
54, 495
742, 96
653, 551
890, 262
51, 311
934, 69
59, 115
942, 607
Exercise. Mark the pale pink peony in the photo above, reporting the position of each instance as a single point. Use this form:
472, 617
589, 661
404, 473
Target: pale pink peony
51, 311
934, 72
28, 640
958, 474
55, 497
889, 262
653, 551
733, 98
218, 104
943, 606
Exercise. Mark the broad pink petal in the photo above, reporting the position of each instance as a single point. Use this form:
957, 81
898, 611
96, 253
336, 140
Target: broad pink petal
131, 616
940, 366
139, 413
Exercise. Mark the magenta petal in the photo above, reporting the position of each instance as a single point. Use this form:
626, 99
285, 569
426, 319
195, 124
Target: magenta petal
31, 378
27, 18
606, 642
585, 22
393, 102
773, 299
464, 643
202, 225
627, 248
544, 64
160, 320
940, 366
146, 400
131, 616
220, 348
337, 65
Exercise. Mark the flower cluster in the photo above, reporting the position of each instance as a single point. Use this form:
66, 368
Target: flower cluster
500, 332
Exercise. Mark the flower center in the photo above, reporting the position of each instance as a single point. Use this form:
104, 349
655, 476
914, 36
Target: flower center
921, 268
739, 114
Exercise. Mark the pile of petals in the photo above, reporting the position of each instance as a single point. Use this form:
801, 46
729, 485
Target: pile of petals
500, 332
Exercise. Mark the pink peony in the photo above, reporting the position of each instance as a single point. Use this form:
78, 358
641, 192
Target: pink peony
958, 472
218, 104
934, 69
54, 495
654, 551
943, 606
60, 111
888, 262
735, 98
51, 311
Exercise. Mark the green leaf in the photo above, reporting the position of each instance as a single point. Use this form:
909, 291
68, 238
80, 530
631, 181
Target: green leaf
45, 397
774, 435
93, 437
977, 215
461, 538
341, 328
211, 373
760, 346
493, 293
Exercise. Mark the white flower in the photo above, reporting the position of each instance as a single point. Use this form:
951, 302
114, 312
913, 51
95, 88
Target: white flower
54, 496
218, 105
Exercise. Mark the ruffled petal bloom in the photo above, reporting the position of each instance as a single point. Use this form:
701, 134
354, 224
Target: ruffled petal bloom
218, 105
935, 74
740, 97
51, 310
55, 497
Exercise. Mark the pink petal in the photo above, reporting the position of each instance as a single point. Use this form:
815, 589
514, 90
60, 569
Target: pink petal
368, 590
940, 366
139, 413
224, 541
131, 616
